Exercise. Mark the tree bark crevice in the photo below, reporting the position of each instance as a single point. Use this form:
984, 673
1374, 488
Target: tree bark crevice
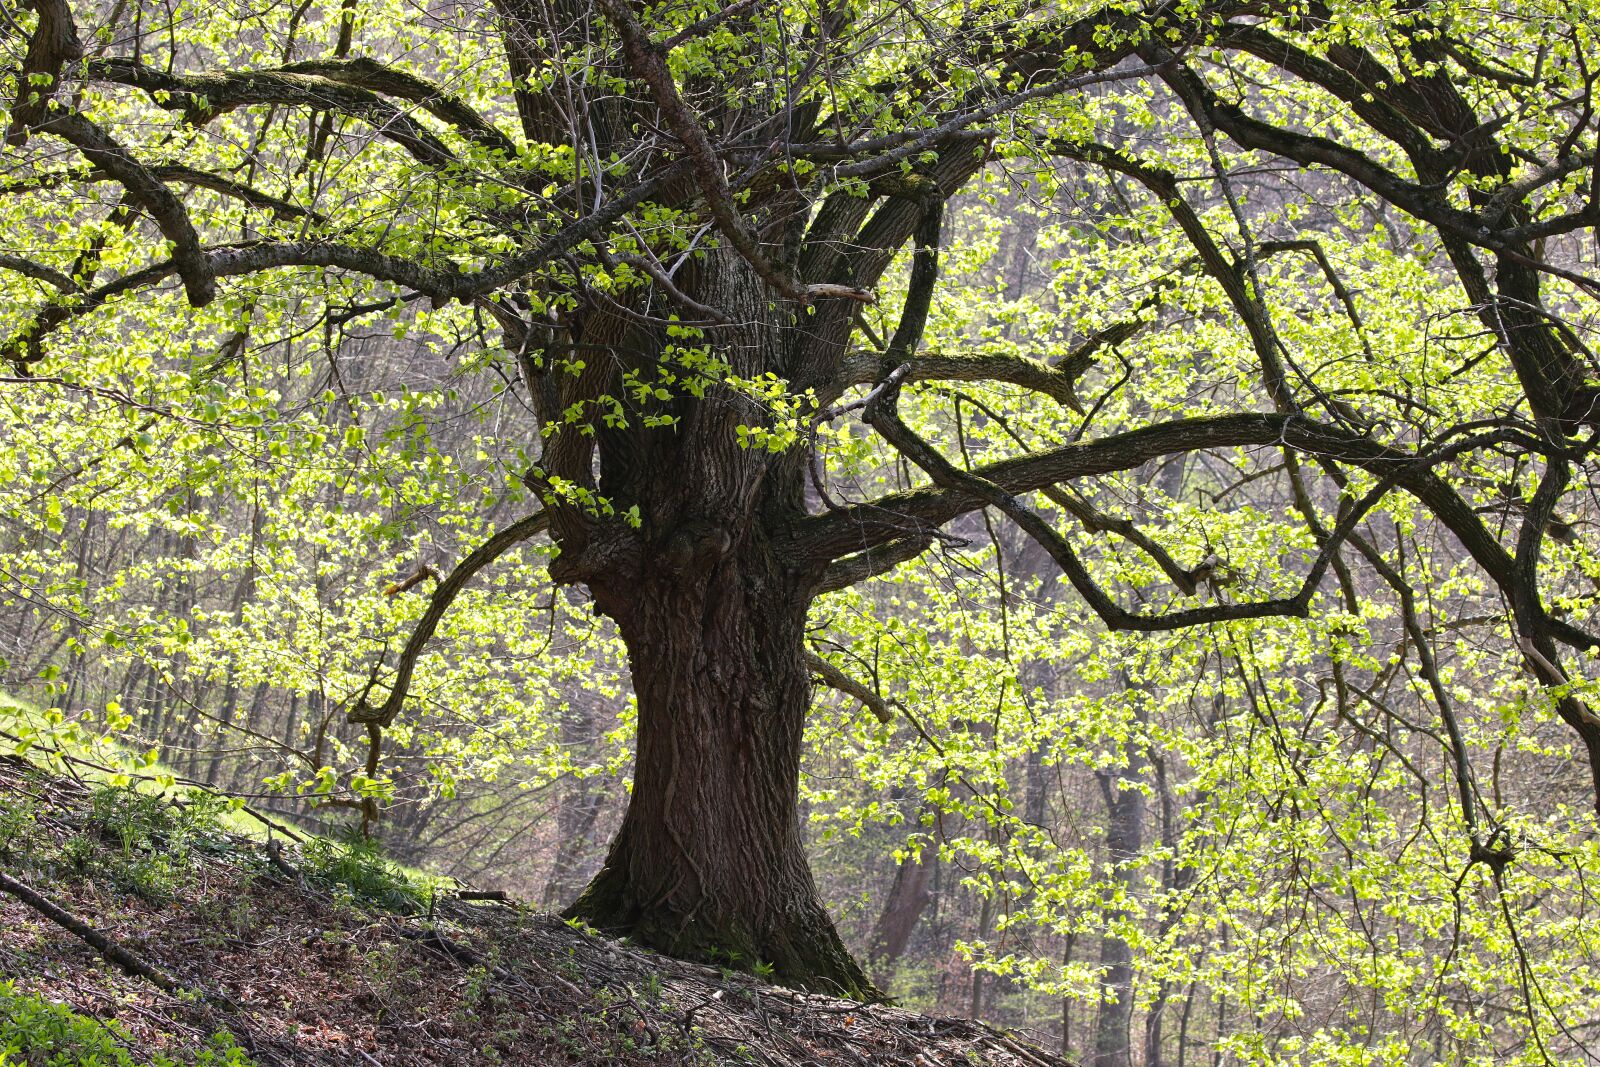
709, 862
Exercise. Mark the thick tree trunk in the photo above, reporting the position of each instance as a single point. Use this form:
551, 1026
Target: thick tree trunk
709, 861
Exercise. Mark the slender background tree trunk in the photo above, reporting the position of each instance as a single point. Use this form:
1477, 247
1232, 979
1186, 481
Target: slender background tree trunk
1125, 812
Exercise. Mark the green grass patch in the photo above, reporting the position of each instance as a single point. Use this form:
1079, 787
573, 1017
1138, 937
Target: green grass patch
140, 844
146, 845
358, 870
60, 746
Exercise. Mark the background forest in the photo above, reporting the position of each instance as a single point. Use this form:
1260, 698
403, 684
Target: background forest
1356, 826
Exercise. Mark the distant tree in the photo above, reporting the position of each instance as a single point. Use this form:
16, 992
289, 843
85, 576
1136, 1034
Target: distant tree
671, 221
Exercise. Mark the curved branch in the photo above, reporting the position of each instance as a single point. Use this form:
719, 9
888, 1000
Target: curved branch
843, 573
865, 368
1163, 185
38, 272
881, 415
860, 527
1374, 108
1309, 149
864, 527
203, 97
443, 596
369, 74
441, 284
228, 187
166, 172
1096, 521
100, 149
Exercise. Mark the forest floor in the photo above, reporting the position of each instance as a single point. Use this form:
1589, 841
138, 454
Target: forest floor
309, 953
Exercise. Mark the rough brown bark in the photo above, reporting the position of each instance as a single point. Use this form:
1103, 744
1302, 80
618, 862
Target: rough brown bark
709, 861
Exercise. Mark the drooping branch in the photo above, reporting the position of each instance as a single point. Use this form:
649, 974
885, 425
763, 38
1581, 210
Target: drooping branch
98, 147
663, 280
1163, 185
181, 175
444, 595
1430, 672
701, 27
1096, 521
995, 485
1340, 290
860, 527
882, 415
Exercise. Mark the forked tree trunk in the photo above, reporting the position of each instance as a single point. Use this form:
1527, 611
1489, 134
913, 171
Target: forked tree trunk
709, 861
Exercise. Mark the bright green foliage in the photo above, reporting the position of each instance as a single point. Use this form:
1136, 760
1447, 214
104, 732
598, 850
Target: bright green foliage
208, 501
1297, 856
38, 1033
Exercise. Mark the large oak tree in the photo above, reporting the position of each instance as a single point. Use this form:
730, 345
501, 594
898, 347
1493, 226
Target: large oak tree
674, 216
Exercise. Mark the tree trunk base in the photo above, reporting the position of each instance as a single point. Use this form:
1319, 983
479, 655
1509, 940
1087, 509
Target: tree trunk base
801, 950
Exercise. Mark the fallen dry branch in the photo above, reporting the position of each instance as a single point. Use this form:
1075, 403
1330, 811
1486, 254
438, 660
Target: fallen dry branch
102, 944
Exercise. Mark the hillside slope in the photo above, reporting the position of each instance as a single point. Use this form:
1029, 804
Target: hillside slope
258, 953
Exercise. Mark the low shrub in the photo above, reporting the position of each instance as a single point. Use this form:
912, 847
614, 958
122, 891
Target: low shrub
38, 1033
